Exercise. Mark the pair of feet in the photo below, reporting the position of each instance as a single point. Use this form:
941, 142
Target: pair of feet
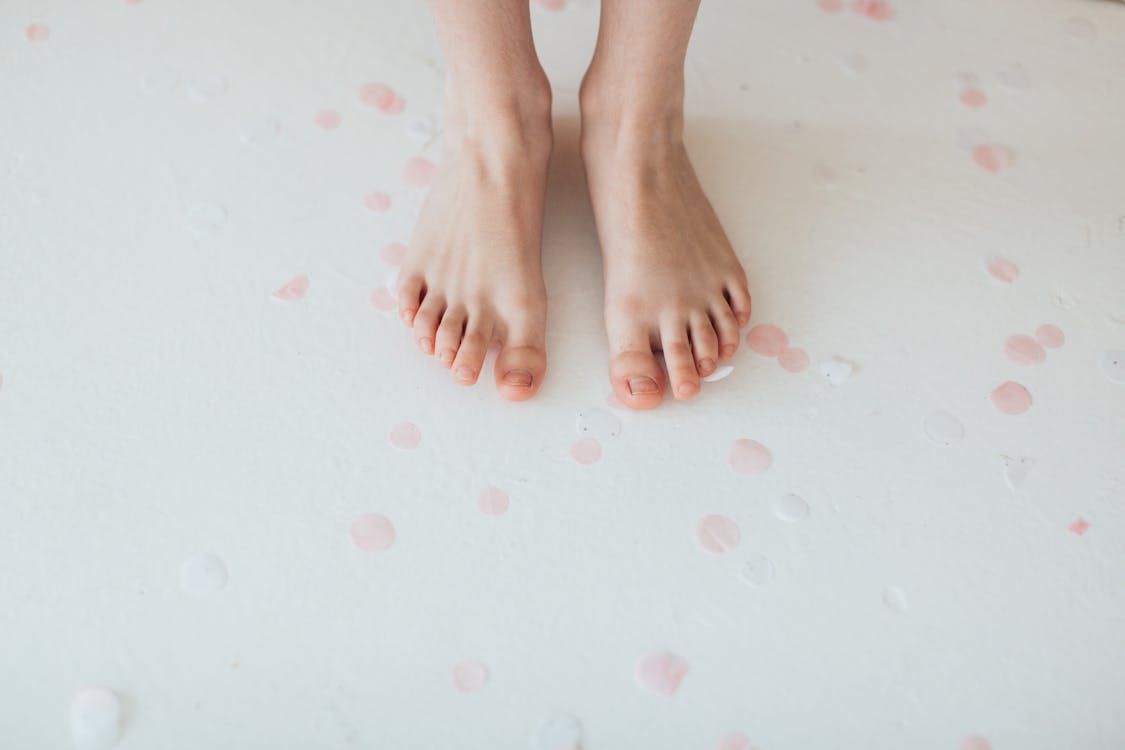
473, 277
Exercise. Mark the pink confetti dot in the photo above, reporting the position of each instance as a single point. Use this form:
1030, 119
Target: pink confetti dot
392, 254
793, 360
1079, 527
973, 98
377, 96
377, 202
372, 532
382, 300
327, 119
767, 339
662, 672
748, 457
492, 501
830, 6
470, 676
586, 451
876, 10
734, 741
555, 5
1004, 270
993, 157
293, 289
976, 743
406, 436
1024, 350
1011, 398
717, 534
37, 32
418, 172
1050, 336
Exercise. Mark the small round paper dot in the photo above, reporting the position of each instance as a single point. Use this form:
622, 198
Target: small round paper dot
767, 339
37, 32
586, 451
418, 172
328, 119
406, 436
993, 157
793, 360
661, 671
748, 457
876, 10
393, 253
382, 300
1003, 269
974, 98
734, 741
293, 289
470, 676
717, 534
493, 501
372, 532
830, 6
377, 96
377, 202
1050, 336
1024, 350
976, 743
1011, 398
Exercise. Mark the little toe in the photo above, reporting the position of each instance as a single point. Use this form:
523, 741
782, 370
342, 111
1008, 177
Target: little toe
470, 356
682, 371
704, 345
738, 297
409, 298
520, 368
426, 322
634, 372
448, 338
726, 326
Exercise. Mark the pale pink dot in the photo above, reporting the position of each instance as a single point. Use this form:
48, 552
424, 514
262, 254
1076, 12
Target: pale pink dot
974, 98
37, 32
382, 300
328, 119
1011, 398
376, 95
767, 339
734, 741
377, 202
393, 253
1024, 350
748, 456
661, 671
1004, 270
976, 743
793, 360
418, 172
717, 534
552, 4
397, 105
1050, 336
492, 501
1079, 527
372, 532
470, 676
992, 156
876, 10
406, 436
586, 451
831, 6
293, 289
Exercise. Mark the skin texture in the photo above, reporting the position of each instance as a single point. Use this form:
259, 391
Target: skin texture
673, 284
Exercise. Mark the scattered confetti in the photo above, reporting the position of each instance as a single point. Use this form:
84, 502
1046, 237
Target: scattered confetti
293, 289
586, 451
662, 672
418, 172
203, 574
259, 131
757, 571
719, 374
598, 423
1011, 398
943, 428
493, 501
993, 157
470, 676
1016, 471
767, 339
377, 202
876, 10
37, 32
717, 534
95, 718
836, 371
1079, 527
328, 119
748, 457
1002, 269
791, 508
734, 741
973, 98
559, 733
976, 743
372, 532
206, 87
381, 97
206, 219
895, 600
793, 360
1050, 336
406, 436
1024, 350
1113, 365
830, 6
383, 301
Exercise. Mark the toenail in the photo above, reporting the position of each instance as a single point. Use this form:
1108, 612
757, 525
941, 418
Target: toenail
446, 358
727, 350
464, 374
642, 386
426, 345
407, 316
688, 389
706, 366
517, 377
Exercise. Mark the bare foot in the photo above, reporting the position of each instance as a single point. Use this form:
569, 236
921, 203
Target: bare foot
672, 280
472, 275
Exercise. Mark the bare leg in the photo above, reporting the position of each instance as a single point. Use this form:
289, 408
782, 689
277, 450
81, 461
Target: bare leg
673, 283
473, 273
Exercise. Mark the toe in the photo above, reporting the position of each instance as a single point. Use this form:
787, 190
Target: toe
409, 297
448, 337
426, 322
470, 355
682, 371
520, 367
634, 372
704, 344
726, 326
738, 297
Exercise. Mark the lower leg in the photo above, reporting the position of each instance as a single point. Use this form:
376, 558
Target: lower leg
472, 274
673, 282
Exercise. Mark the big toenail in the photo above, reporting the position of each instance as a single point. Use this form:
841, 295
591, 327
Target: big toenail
426, 345
642, 386
707, 365
517, 377
727, 350
446, 358
688, 389
463, 373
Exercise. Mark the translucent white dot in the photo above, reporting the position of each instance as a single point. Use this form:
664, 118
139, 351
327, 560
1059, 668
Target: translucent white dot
943, 428
422, 129
261, 130
719, 374
757, 571
855, 63
836, 371
895, 600
598, 423
1013, 77
203, 574
95, 718
791, 508
206, 219
1113, 365
559, 733
207, 86
162, 79
1016, 471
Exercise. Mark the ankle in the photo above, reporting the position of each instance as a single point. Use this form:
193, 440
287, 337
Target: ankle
638, 119
512, 111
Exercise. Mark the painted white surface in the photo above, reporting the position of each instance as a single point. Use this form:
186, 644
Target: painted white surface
161, 175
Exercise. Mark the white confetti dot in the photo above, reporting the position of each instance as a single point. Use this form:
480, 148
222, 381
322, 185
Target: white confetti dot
206, 219
1113, 365
559, 733
791, 508
1016, 471
207, 86
259, 131
1013, 77
203, 574
422, 129
95, 718
855, 63
757, 571
719, 374
836, 371
598, 423
163, 79
943, 428
895, 600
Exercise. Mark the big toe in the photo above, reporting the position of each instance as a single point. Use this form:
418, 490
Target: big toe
519, 371
637, 379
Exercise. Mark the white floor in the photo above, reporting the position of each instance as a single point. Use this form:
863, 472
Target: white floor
188, 460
